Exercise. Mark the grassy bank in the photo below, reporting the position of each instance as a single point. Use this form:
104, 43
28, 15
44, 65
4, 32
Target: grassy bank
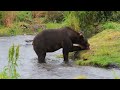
105, 47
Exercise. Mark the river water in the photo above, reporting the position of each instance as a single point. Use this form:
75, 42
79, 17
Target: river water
29, 68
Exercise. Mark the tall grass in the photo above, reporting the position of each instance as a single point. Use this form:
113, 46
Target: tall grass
10, 71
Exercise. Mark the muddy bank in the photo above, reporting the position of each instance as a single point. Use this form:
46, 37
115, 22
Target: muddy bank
29, 68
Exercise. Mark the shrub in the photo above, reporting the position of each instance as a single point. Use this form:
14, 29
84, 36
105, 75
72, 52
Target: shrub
72, 20
54, 16
25, 16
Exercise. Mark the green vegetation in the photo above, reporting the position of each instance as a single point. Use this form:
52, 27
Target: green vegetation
53, 25
101, 27
105, 47
9, 71
72, 20
18, 22
14, 30
111, 25
24, 22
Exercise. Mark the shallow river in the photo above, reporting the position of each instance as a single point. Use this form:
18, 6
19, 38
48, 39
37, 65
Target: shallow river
29, 68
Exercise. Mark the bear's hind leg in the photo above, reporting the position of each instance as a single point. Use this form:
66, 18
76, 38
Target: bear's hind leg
41, 57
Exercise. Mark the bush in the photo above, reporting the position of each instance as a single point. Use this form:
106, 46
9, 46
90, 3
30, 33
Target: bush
111, 25
24, 16
54, 16
89, 21
72, 20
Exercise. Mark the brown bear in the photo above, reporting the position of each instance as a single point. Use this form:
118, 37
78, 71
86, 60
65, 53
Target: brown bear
51, 40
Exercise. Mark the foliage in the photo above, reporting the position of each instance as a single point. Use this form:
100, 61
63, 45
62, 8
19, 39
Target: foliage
10, 71
72, 20
53, 25
54, 16
89, 21
17, 29
104, 49
111, 25
25, 16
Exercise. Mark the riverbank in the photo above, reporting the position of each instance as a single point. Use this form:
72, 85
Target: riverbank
105, 48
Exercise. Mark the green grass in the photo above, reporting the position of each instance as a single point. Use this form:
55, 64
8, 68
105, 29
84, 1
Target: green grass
15, 29
10, 71
111, 25
105, 48
61, 55
53, 25
72, 21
